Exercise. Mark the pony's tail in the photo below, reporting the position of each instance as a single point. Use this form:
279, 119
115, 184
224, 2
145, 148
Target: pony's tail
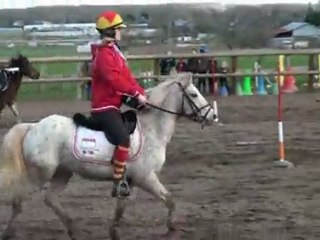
12, 166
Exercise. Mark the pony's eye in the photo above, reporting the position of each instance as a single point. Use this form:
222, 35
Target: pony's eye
194, 95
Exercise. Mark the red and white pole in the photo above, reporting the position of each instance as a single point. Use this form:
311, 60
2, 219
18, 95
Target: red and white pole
280, 122
214, 90
281, 162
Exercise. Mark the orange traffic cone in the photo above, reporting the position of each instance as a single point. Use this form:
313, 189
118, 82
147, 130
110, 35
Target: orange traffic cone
289, 84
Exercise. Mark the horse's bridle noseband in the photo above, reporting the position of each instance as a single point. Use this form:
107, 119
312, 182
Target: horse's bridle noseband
196, 111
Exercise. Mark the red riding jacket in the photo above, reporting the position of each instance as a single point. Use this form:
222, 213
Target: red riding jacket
111, 78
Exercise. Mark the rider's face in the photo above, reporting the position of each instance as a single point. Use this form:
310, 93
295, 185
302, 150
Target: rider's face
118, 34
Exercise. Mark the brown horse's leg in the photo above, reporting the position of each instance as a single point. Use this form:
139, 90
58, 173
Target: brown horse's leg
16, 210
14, 109
2, 105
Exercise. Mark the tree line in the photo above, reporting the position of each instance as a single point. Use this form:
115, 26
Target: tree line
238, 25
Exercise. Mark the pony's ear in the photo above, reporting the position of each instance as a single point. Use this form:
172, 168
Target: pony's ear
184, 78
18, 55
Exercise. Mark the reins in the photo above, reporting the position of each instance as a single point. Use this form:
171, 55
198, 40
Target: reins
164, 110
195, 109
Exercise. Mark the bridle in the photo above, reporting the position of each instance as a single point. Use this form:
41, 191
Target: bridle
196, 111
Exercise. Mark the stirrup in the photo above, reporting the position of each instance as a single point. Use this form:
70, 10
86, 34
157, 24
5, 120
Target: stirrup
121, 189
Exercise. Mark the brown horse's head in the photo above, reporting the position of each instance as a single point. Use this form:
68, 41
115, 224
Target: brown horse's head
85, 69
25, 66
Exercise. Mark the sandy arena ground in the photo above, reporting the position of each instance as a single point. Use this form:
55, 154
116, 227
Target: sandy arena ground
223, 191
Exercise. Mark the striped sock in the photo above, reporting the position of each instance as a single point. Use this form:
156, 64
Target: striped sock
120, 157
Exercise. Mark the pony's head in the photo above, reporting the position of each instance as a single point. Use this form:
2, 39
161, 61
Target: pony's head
25, 66
179, 96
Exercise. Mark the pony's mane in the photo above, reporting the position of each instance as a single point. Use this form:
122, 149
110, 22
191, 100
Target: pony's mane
3, 65
15, 61
159, 93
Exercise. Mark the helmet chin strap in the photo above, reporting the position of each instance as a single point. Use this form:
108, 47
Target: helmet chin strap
105, 39
109, 33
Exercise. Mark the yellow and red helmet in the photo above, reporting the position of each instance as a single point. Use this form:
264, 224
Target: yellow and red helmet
109, 19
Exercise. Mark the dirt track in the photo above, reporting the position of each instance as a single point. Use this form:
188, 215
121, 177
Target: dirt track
224, 191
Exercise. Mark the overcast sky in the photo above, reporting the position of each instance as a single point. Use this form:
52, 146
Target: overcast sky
33, 3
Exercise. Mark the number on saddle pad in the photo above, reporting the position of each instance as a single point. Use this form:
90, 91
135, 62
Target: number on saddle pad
91, 144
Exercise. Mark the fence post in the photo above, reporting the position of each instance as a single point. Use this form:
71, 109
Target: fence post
156, 66
43, 71
79, 91
312, 65
234, 62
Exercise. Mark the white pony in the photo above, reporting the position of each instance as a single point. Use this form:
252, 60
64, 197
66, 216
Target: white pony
55, 148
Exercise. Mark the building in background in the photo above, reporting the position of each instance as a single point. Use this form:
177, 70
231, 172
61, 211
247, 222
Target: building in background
296, 35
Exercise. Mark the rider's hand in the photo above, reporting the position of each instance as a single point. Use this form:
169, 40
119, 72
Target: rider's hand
142, 99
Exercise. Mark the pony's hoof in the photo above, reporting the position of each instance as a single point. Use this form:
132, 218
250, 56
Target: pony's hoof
8, 234
114, 233
172, 235
79, 235
176, 223
171, 226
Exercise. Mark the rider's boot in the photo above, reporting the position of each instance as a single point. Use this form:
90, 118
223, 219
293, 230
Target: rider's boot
120, 185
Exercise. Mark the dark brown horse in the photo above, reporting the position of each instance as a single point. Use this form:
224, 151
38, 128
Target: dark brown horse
85, 71
10, 82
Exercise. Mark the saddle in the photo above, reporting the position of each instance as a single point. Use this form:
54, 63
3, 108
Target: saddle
129, 118
4, 77
4, 81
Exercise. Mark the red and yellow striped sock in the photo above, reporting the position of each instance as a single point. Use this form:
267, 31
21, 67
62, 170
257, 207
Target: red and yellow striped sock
120, 157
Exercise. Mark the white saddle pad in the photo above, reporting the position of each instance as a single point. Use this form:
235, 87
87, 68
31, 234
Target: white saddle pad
92, 146
12, 69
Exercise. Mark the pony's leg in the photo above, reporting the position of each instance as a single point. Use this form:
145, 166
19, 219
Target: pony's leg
9, 231
57, 184
153, 185
118, 213
14, 109
114, 227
